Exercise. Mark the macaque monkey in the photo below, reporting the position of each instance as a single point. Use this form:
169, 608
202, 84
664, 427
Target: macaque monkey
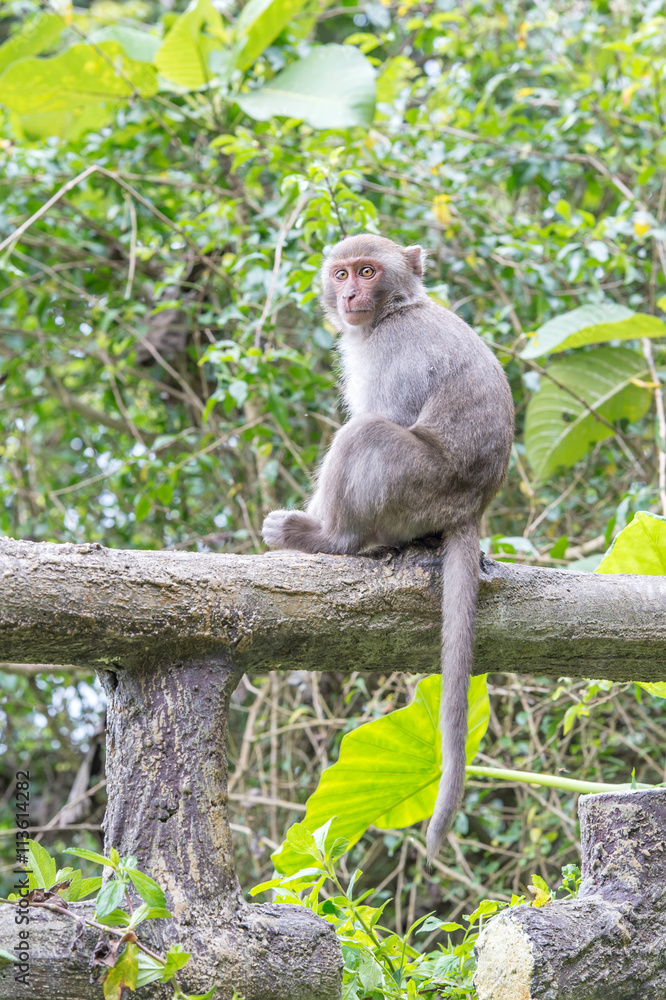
424, 450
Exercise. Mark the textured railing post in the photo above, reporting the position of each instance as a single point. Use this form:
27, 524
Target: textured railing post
167, 788
610, 942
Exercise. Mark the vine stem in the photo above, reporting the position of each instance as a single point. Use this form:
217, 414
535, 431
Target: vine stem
551, 780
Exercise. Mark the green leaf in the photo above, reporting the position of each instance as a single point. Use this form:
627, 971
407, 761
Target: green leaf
73, 893
34, 37
142, 46
558, 429
75, 90
110, 898
369, 971
259, 23
98, 859
388, 771
301, 841
176, 959
333, 87
142, 508
6, 956
117, 918
90, 886
592, 324
123, 975
147, 888
639, 548
149, 970
42, 865
200, 996
185, 52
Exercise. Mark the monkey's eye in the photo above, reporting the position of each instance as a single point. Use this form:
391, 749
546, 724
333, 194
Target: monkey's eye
341, 274
367, 271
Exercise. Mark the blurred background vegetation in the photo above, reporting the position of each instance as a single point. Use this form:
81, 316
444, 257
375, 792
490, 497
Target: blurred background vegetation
167, 377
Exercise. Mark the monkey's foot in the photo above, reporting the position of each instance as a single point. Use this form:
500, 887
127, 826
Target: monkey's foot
292, 529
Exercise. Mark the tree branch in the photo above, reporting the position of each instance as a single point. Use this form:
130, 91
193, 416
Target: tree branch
83, 604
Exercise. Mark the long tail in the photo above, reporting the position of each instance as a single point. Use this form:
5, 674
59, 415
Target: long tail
460, 579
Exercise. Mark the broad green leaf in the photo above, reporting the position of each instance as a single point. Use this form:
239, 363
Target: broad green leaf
34, 37
142, 46
147, 888
110, 898
149, 970
42, 865
183, 57
333, 87
639, 548
74, 90
89, 886
369, 972
388, 771
558, 429
259, 23
117, 918
592, 324
124, 973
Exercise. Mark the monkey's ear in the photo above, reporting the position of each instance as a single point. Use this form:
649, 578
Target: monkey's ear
416, 259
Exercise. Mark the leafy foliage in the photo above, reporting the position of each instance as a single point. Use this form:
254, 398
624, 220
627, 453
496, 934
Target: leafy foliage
128, 967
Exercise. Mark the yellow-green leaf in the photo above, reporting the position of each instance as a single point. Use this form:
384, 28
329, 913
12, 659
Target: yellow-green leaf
639, 548
388, 771
75, 90
259, 23
34, 37
183, 57
123, 974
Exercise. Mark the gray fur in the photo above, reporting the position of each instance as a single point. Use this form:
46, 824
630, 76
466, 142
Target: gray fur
424, 450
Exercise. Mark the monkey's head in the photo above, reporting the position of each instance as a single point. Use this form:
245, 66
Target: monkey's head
365, 277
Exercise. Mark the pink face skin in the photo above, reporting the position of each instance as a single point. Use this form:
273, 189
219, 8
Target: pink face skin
354, 282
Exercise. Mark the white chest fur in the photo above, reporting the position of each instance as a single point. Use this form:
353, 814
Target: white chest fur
357, 360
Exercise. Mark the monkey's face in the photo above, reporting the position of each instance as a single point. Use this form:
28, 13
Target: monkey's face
357, 286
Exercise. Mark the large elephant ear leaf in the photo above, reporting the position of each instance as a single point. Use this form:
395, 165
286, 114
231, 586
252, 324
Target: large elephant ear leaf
592, 324
559, 429
388, 770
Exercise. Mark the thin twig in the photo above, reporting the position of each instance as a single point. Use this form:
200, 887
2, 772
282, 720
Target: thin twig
132, 259
285, 229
